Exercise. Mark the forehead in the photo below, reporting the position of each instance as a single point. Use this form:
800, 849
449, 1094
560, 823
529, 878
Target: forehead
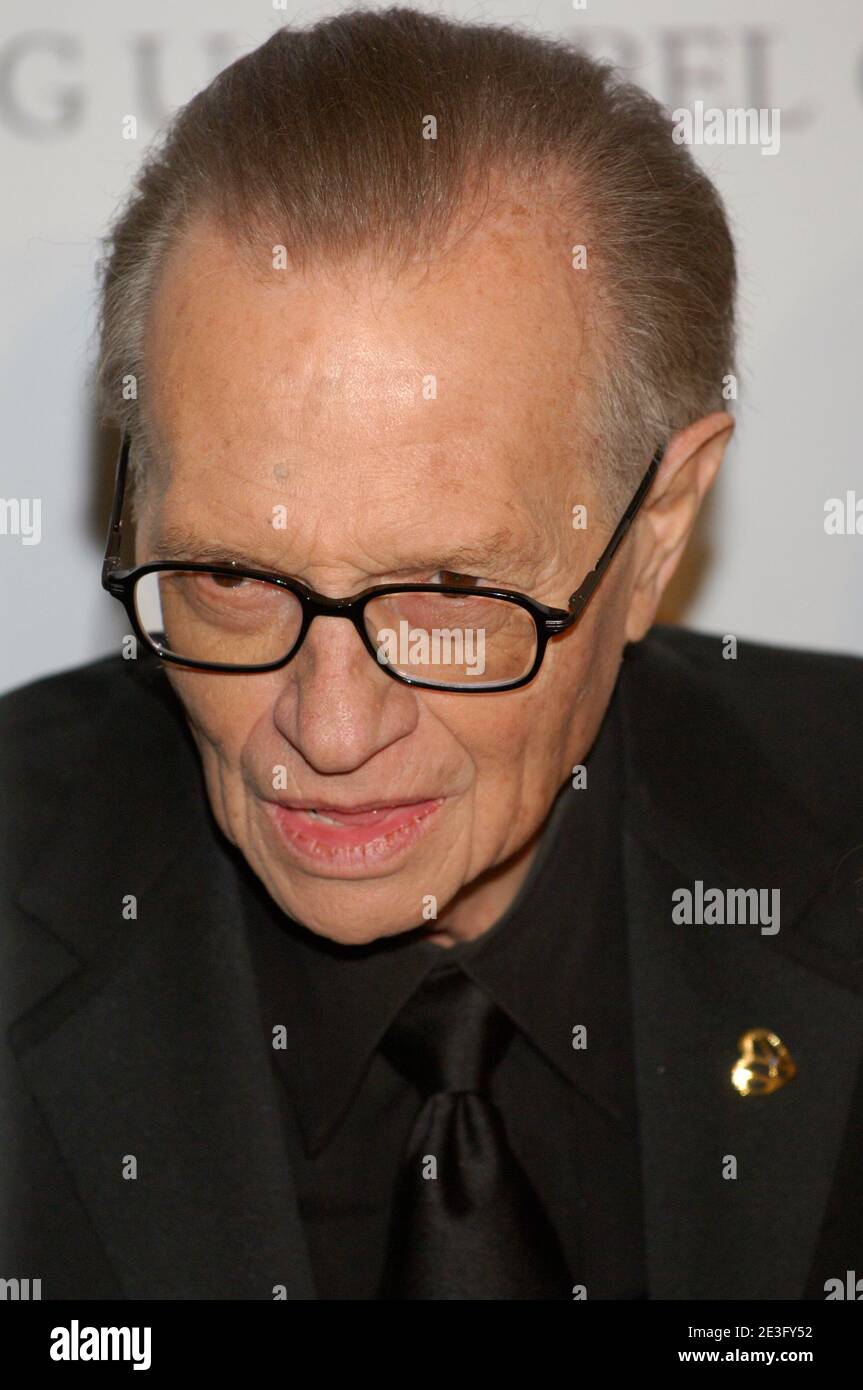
451, 395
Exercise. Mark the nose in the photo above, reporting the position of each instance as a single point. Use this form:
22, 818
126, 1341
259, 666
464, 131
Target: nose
337, 708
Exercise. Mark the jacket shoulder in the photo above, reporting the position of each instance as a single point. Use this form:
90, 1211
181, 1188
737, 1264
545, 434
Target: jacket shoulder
765, 659
80, 689
800, 708
73, 744
93, 698
788, 676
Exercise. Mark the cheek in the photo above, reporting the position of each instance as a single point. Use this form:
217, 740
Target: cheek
524, 744
223, 713
510, 740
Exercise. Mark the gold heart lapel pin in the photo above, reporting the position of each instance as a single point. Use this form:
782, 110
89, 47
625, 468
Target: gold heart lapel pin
764, 1064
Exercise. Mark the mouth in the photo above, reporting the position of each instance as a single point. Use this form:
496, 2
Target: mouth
354, 840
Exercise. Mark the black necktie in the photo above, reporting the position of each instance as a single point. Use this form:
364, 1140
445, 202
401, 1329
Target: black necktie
476, 1229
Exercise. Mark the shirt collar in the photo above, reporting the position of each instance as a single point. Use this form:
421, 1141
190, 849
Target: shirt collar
552, 962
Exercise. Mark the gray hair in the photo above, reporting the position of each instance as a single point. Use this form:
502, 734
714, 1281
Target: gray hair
314, 140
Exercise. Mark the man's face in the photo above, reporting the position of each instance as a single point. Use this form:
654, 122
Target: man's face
311, 392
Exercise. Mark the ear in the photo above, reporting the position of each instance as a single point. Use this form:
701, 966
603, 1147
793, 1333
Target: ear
688, 468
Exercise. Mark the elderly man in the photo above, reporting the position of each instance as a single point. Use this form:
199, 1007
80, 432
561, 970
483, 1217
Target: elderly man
401, 914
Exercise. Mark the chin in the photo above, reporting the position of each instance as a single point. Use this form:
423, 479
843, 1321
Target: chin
361, 931
351, 911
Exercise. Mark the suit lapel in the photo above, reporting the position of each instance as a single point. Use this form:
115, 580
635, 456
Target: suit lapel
753, 1236
153, 1051
697, 988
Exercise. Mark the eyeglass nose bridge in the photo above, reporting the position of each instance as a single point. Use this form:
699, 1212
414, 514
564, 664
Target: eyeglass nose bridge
319, 606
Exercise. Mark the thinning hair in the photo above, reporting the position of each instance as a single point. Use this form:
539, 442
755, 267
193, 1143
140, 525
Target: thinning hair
315, 140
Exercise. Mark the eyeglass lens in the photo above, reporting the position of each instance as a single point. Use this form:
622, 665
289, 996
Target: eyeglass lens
459, 640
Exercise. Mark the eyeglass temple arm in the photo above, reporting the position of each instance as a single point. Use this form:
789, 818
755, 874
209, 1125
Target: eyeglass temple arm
114, 539
579, 599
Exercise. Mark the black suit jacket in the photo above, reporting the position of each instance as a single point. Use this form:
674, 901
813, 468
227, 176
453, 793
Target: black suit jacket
139, 1036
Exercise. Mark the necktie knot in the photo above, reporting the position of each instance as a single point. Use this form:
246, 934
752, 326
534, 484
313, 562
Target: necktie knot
450, 1035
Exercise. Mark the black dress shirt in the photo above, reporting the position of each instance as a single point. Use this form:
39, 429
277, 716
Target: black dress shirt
555, 962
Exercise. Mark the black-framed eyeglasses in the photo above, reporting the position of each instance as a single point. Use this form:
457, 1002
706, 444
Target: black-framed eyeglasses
435, 636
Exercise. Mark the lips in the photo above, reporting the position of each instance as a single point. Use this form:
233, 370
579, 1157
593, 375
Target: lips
371, 814
353, 839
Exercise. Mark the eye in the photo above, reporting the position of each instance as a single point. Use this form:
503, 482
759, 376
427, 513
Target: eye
233, 590
227, 581
453, 580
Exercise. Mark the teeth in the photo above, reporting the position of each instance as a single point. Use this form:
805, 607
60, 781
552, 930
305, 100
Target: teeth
317, 815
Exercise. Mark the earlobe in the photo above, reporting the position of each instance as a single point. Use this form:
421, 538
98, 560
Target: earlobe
641, 613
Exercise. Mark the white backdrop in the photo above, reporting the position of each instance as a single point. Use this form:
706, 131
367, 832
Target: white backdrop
761, 565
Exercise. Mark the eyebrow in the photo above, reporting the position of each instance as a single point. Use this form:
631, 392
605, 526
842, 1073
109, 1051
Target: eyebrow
176, 542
